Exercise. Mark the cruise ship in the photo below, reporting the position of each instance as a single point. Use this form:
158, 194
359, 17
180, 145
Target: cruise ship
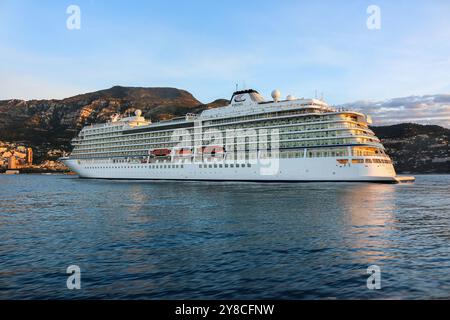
251, 139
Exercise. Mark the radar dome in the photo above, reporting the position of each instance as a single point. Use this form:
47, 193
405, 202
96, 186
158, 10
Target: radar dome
290, 97
276, 94
138, 113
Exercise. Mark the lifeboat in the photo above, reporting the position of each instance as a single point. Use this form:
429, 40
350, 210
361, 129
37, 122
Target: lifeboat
160, 152
184, 152
342, 161
212, 150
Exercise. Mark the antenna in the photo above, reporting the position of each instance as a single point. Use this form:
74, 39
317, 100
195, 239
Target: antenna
236, 86
315, 94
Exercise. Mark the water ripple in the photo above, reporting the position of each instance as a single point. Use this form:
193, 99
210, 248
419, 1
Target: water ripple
178, 240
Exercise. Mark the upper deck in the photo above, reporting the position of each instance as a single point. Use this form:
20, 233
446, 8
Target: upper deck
250, 102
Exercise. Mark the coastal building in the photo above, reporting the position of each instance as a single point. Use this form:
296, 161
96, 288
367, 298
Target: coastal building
29, 156
7, 154
12, 163
12, 156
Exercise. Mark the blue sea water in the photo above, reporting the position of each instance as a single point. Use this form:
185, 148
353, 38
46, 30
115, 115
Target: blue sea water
197, 240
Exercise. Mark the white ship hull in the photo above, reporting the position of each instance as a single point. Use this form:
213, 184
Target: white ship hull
289, 170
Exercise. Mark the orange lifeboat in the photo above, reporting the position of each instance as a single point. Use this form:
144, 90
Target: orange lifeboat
342, 161
212, 150
184, 152
161, 152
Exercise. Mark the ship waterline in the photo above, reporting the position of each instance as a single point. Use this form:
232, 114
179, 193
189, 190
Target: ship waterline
249, 140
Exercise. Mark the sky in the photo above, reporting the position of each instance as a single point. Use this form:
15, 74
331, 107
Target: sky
207, 47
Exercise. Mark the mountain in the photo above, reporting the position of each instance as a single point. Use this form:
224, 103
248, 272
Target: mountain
47, 125
416, 148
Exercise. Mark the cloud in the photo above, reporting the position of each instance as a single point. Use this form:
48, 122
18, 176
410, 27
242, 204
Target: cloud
427, 109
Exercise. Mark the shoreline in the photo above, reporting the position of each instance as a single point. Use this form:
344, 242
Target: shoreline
39, 171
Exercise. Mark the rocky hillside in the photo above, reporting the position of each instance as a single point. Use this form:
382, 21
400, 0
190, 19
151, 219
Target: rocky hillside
417, 148
46, 125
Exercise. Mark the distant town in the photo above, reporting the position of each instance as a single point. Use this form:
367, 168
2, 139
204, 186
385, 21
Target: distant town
16, 158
